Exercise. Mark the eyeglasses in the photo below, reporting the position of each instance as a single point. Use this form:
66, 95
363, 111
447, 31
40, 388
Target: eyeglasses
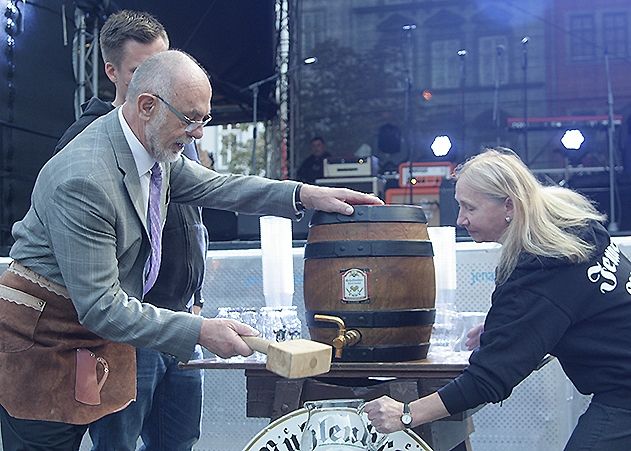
191, 125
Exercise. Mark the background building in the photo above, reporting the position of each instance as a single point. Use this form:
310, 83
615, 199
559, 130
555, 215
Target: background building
470, 70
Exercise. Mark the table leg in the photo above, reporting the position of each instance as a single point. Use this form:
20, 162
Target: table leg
287, 396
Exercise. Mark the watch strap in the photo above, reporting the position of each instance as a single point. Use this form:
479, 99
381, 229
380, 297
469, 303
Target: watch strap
406, 416
298, 205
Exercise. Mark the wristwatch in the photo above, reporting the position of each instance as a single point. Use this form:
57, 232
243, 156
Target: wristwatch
298, 205
406, 417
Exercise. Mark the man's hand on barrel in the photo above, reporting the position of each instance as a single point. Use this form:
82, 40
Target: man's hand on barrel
335, 200
222, 337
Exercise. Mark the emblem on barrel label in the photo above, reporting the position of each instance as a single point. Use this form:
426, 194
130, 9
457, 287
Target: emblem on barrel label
355, 285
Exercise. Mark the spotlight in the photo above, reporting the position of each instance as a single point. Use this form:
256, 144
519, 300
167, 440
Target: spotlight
441, 145
572, 139
12, 11
11, 27
310, 60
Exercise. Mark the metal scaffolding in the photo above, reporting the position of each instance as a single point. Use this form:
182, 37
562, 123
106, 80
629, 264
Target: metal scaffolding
85, 57
282, 64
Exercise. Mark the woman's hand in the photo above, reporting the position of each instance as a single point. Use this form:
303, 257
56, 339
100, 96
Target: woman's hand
473, 337
385, 414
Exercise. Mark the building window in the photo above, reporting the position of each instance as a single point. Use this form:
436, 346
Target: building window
493, 61
313, 26
582, 37
616, 34
445, 68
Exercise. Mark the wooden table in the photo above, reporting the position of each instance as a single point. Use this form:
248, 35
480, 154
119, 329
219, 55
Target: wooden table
271, 396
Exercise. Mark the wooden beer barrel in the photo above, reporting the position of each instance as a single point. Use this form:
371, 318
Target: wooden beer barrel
375, 271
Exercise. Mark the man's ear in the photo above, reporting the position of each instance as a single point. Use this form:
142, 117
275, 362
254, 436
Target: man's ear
146, 105
111, 72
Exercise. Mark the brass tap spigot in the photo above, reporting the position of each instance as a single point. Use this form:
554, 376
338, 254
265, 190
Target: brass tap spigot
344, 337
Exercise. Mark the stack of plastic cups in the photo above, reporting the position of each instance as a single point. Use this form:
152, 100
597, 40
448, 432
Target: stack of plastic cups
447, 325
278, 262
278, 278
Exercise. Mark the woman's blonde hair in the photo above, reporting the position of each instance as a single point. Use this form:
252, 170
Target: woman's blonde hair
543, 215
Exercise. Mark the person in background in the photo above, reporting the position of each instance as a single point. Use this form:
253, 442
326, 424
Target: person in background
562, 288
168, 407
87, 251
312, 168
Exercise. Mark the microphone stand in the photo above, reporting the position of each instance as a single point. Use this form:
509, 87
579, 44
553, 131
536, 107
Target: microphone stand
407, 56
496, 93
613, 220
255, 100
463, 81
254, 87
524, 67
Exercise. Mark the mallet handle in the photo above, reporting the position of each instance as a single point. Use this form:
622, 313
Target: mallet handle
257, 343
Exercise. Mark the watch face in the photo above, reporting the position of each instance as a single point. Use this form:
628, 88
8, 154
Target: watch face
406, 419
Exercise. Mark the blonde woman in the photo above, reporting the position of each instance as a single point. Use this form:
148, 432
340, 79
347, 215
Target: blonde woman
562, 288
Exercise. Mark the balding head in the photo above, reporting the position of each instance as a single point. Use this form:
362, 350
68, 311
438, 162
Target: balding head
166, 73
168, 93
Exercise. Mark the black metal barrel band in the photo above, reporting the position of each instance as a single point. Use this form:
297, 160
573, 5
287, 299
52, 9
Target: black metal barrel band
393, 353
364, 213
382, 318
368, 248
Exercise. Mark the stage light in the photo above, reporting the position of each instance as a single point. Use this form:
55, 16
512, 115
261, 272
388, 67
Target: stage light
12, 11
310, 60
441, 145
427, 95
11, 27
572, 139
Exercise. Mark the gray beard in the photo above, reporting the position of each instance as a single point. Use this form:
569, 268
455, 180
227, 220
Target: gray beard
161, 155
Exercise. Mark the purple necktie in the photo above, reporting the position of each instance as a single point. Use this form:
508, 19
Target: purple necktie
155, 227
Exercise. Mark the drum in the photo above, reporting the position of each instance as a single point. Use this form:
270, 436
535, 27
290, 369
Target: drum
369, 286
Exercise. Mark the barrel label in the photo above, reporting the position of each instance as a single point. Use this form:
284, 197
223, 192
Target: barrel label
355, 285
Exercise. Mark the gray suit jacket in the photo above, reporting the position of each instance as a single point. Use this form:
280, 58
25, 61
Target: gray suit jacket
86, 230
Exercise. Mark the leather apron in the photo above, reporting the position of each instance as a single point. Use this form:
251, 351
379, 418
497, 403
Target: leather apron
51, 367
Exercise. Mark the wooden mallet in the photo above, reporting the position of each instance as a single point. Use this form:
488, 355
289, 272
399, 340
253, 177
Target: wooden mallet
293, 359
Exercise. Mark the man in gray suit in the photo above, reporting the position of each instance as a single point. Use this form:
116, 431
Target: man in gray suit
71, 302
167, 412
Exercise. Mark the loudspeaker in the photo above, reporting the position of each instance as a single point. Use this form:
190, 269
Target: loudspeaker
249, 228
372, 185
389, 139
427, 198
449, 206
221, 224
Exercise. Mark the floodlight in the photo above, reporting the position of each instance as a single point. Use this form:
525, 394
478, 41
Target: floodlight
572, 139
441, 145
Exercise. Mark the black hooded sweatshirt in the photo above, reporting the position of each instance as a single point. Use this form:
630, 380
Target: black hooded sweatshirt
579, 313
